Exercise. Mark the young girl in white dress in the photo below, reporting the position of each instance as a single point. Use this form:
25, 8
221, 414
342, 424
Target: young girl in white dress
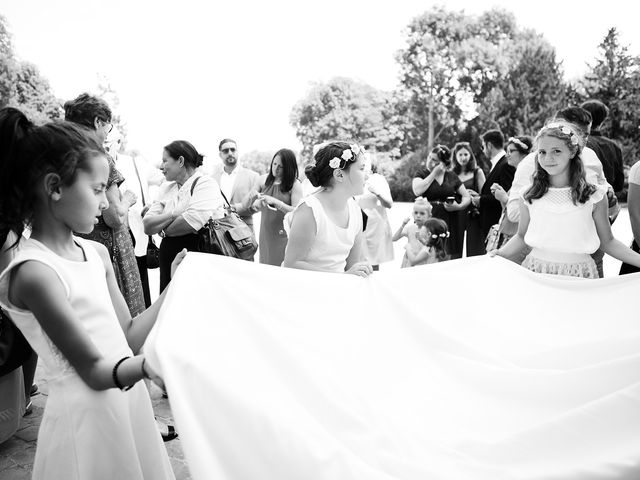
563, 218
61, 292
421, 213
326, 229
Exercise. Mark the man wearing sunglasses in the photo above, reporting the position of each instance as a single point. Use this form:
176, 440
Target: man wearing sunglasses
239, 184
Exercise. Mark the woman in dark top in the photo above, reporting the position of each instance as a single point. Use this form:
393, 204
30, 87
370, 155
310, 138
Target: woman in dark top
472, 177
444, 190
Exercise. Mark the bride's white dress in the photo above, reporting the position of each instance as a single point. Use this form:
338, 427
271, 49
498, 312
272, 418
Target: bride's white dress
88, 434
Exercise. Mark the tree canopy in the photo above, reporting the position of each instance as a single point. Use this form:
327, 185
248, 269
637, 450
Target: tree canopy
21, 84
346, 108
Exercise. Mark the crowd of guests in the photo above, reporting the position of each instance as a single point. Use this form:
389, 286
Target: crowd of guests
76, 282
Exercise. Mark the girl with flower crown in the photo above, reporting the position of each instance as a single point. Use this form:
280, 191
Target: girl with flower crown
563, 218
434, 237
326, 229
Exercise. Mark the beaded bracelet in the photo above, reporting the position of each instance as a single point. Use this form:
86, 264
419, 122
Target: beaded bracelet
114, 374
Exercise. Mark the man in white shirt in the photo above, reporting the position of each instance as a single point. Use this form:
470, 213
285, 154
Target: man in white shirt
239, 184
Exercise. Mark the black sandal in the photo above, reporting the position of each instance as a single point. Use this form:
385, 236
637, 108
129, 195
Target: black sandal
170, 435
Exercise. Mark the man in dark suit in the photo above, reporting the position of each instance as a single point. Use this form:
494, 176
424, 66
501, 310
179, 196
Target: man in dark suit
606, 149
501, 173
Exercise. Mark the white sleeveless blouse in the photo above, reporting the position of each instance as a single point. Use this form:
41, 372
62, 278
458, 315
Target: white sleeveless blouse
332, 244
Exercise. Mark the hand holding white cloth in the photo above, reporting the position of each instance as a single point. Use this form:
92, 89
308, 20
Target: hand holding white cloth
326, 376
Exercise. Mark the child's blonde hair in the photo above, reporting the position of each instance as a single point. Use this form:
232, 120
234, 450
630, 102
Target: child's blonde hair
422, 202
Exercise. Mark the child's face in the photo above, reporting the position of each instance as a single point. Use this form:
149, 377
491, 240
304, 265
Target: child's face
420, 214
84, 200
553, 155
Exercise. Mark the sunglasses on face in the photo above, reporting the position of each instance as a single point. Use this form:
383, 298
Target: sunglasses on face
227, 150
109, 125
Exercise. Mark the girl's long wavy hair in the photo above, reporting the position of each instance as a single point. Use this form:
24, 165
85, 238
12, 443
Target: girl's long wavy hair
581, 190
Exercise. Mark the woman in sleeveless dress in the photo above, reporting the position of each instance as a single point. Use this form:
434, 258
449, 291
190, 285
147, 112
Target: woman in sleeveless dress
326, 230
280, 192
472, 177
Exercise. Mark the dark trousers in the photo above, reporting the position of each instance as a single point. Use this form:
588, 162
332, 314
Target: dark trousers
144, 278
144, 274
169, 248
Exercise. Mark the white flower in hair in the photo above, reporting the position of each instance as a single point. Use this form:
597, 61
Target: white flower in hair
442, 235
347, 155
335, 162
567, 131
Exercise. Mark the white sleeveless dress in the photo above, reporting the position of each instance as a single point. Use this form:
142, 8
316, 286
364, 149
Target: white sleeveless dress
332, 244
87, 434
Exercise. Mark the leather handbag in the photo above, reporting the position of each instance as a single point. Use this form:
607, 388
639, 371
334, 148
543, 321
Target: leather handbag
153, 254
229, 235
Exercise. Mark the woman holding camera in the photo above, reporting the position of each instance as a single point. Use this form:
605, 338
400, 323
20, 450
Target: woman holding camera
444, 190
472, 177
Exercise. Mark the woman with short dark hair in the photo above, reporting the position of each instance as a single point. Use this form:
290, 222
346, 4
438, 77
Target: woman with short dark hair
111, 230
185, 203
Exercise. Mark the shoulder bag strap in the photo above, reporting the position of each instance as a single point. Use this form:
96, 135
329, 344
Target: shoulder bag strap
193, 185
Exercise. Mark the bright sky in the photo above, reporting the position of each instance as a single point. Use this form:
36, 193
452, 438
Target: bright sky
202, 71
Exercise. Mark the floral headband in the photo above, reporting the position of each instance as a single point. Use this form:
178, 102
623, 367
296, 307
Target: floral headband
442, 235
519, 142
565, 129
348, 154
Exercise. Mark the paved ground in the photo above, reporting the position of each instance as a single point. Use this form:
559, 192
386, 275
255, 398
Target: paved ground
17, 453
